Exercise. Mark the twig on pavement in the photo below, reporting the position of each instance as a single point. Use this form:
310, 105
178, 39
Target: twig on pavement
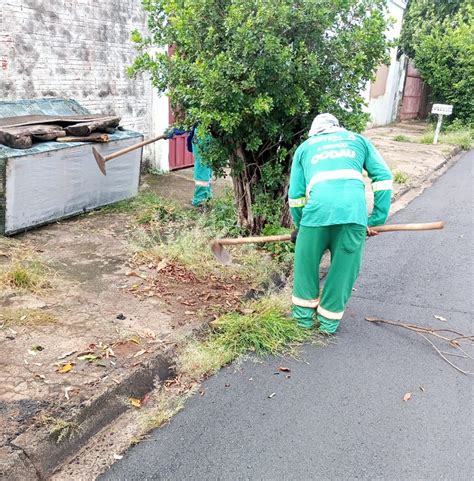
424, 331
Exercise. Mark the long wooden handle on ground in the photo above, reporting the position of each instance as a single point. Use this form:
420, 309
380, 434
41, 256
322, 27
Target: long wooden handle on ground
217, 245
102, 159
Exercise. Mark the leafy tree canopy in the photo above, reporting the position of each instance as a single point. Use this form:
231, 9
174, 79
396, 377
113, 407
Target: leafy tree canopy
439, 36
254, 73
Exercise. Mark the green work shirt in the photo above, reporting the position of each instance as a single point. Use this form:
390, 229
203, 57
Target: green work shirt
326, 182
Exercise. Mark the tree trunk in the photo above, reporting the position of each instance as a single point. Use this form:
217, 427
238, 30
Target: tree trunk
246, 177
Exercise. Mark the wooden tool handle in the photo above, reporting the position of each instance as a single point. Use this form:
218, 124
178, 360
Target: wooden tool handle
396, 227
126, 150
287, 237
255, 240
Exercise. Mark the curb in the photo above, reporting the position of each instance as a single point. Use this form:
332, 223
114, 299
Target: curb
38, 454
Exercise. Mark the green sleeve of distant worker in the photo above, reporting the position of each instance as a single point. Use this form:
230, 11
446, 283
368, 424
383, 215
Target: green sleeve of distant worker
297, 191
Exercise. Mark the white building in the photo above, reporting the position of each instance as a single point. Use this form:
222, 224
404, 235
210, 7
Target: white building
384, 95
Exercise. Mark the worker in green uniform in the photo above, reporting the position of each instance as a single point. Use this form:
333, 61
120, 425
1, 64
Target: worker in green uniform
328, 206
202, 173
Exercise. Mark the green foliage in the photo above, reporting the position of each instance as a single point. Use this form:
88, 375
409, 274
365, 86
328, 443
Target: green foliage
254, 73
148, 207
265, 329
439, 36
281, 251
400, 177
455, 134
401, 138
221, 216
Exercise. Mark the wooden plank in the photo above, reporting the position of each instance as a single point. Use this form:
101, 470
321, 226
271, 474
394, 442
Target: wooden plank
22, 137
23, 120
86, 128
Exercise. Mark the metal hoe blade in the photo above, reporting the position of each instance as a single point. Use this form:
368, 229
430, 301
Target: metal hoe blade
220, 253
100, 160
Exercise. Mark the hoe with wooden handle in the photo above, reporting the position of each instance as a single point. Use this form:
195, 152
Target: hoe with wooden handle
102, 159
217, 245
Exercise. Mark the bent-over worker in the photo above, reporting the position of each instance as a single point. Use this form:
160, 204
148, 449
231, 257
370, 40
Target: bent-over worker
202, 173
328, 206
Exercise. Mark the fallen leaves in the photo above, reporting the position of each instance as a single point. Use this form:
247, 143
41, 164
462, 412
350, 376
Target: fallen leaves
136, 403
65, 368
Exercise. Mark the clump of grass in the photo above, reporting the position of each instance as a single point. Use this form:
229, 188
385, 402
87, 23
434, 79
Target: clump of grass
149, 207
165, 406
221, 216
58, 428
401, 138
24, 271
26, 317
400, 177
455, 134
264, 330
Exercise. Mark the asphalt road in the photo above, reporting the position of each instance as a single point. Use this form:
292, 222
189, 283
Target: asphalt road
341, 414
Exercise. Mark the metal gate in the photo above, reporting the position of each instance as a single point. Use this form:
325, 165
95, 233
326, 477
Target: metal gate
179, 157
415, 96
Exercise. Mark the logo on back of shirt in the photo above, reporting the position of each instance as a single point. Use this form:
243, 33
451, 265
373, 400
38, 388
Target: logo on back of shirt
333, 154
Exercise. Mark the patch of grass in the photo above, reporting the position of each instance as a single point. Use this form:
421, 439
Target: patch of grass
265, 329
149, 207
221, 216
400, 177
26, 317
58, 428
401, 138
165, 406
23, 270
463, 137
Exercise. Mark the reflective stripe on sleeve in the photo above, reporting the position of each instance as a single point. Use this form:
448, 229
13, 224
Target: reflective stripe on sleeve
333, 175
335, 316
311, 303
202, 183
382, 185
301, 202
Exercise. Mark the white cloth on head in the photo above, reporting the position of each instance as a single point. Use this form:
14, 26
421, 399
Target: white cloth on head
324, 124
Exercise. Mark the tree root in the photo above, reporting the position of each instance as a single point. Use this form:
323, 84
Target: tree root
454, 342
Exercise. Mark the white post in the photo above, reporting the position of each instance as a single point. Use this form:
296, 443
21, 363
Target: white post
438, 129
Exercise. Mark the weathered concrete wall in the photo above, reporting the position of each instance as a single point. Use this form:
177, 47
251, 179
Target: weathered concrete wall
384, 100
78, 49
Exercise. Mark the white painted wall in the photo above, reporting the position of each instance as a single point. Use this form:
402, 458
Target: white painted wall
80, 49
383, 109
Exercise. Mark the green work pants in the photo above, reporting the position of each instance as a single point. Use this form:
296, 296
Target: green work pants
346, 244
202, 180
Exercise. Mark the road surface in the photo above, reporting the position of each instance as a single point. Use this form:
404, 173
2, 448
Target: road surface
341, 414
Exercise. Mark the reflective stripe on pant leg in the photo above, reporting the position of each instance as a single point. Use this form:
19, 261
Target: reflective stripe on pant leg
335, 316
202, 183
311, 303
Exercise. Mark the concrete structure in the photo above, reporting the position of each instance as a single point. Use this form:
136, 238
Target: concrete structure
80, 49
385, 93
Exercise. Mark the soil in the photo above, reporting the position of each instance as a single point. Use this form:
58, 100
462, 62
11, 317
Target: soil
111, 314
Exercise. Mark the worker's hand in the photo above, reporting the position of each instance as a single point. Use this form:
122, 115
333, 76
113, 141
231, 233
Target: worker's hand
294, 235
173, 132
371, 232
